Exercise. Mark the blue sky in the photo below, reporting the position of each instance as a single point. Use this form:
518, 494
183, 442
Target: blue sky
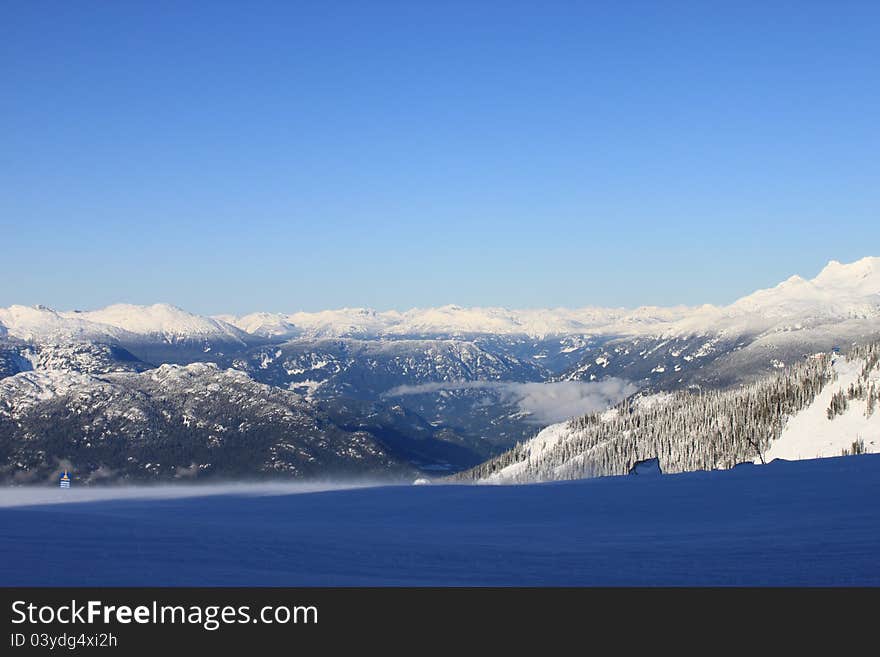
231, 157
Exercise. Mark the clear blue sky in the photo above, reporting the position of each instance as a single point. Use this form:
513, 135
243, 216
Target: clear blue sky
230, 157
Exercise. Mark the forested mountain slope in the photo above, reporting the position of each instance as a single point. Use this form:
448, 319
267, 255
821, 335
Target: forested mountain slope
710, 430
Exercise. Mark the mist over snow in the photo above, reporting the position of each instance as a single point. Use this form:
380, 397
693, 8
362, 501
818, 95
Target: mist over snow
38, 496
546, 403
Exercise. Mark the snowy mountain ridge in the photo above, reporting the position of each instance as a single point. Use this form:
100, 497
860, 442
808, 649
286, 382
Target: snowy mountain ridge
117, 323
839, 292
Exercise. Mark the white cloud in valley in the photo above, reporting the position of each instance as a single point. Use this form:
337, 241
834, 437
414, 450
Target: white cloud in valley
545, 403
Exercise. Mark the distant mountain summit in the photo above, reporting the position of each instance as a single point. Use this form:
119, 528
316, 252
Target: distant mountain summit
120, 322
842, 290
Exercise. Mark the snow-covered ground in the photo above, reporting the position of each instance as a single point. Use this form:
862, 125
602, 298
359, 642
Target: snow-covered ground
546, 440
810, 434
788, 523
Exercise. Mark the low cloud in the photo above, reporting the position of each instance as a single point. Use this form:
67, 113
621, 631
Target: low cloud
545, 403
427, 388
554, 402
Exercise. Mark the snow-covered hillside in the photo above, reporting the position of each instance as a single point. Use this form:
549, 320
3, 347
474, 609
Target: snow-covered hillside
811, 523
825, 406
170, 423
813, 434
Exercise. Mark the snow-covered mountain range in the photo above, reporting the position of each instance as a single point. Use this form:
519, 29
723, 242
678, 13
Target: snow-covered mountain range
839, 292
437, 388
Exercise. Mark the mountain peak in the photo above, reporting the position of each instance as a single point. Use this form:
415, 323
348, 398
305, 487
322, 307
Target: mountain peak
792, 281
861, 277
